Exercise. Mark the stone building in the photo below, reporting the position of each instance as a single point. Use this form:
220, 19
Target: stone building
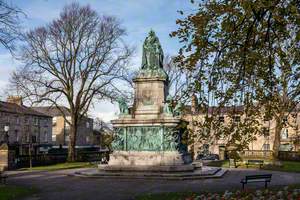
289, 136
27, 128
61, 129
102, 133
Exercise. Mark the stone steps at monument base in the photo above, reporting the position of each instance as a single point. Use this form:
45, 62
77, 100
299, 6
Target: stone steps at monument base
197, 174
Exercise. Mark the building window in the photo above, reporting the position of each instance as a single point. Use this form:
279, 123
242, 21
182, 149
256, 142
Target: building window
67, 138
33, 139
285, 119
17, 120
285, 134
54, 120
46, 136
17, 135
53, 138
266, 132
27, 137
285, 147
237, 118
67, 126
267, 118
36, 121
266, 147
87, 139
26, 120
87, 125
221, 119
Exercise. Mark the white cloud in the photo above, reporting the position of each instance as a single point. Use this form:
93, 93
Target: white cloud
105, 111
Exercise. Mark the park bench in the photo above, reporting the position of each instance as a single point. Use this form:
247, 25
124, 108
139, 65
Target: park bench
255, 162
257, 178
3, 177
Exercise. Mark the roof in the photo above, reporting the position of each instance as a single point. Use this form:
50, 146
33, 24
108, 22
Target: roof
20, 109
53, 111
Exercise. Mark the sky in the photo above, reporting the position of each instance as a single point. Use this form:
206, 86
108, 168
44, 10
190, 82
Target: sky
137, 17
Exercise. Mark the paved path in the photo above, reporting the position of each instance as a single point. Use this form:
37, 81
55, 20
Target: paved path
57, 185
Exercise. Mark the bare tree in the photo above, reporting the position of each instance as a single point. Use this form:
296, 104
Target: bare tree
76, 59
9, 24
178, 79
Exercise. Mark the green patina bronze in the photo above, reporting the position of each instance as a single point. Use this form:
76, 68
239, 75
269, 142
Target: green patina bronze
139, 137
167, 106
123, 107
146, 138
152, 61
178, 109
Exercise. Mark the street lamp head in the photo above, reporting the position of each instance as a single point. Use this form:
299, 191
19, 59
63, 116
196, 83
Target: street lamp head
6, 128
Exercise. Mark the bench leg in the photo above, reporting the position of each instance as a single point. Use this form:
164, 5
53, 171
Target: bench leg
243, 186
266, 184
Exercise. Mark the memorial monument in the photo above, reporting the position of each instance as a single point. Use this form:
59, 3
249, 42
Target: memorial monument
149, 136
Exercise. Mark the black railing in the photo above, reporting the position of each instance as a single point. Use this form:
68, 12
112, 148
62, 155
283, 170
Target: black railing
23, 161
289, 155
263, 154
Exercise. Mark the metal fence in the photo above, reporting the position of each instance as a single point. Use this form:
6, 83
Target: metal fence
23, 161
260, 154
289, 155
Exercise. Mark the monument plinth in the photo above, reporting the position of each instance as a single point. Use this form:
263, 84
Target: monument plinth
149, 138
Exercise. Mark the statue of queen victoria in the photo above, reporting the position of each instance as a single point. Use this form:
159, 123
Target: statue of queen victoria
152, 60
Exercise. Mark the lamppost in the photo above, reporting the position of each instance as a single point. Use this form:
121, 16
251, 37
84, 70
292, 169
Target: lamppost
6, 129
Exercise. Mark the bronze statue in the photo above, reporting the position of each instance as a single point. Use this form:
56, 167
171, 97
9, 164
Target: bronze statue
152, 53
123, 107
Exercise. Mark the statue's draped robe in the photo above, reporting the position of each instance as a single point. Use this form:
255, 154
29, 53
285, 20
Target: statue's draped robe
152, 53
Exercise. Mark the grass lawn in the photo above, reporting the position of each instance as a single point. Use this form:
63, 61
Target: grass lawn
14, 192
288, 166
60, 166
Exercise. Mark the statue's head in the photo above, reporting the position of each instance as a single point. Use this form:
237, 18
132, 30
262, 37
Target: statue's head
120, 99
152, 33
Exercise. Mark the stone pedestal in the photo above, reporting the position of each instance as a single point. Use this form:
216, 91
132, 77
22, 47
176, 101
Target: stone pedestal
142, 158
150, 138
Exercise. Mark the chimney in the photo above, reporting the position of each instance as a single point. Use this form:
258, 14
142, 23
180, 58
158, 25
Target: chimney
15, 99
194, 104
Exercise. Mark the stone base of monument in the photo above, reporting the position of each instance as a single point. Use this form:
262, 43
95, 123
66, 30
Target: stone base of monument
146, 168
159, 161
203, 173
151, 158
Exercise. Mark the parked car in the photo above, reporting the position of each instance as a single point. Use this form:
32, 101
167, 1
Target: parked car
207, 157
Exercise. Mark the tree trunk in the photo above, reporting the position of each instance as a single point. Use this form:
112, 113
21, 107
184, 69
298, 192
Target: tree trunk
72, 143
277, 137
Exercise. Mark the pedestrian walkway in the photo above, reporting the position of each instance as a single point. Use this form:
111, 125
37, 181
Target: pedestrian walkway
58, 185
